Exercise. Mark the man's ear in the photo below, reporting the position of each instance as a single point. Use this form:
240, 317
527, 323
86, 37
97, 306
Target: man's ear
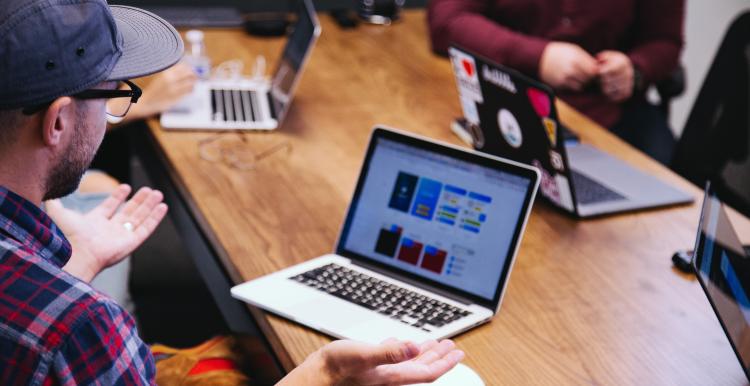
56, 120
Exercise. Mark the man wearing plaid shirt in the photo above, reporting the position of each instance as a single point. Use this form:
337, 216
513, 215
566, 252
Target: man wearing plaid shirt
60, 61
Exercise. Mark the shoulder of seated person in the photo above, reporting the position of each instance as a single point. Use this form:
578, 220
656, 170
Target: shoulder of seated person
69, 304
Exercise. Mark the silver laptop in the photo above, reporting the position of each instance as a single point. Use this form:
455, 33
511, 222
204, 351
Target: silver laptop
425, 250
248, 104
515, 117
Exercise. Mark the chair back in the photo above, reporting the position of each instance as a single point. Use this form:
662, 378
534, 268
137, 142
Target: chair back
716, 138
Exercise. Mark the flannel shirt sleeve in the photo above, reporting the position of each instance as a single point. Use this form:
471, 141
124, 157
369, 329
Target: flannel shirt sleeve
104, 348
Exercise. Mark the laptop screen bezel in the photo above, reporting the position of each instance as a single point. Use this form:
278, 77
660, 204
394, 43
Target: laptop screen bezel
700, 243
309, 9
474, 157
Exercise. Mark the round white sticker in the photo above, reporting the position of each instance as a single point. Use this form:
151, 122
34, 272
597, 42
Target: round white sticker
510, 128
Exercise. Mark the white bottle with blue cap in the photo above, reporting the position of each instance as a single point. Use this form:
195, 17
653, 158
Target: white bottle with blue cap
196, 54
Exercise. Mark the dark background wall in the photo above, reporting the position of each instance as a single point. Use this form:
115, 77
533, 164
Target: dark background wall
257, 5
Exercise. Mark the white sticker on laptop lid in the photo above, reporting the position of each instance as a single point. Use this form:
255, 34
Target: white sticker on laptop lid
467, 78
510, 128
556, 160
470, 110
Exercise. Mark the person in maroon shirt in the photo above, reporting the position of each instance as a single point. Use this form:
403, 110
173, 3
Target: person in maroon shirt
599, 56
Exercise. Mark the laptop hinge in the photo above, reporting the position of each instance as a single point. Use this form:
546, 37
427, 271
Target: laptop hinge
413, 282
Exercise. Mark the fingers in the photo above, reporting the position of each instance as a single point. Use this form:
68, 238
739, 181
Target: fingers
610, 70
184, 87
617, 89
428, 367
392, 352
138, 208
183, 79
436, 352
586, 67
130, 207
583, 71
427, 346
182, 70
148, 226
443, 365
613, 64
616, 74
108, 208
615, 79
144, 210
177, 72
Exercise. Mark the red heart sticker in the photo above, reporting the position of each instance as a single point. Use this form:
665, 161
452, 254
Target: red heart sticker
540, 100
468, 67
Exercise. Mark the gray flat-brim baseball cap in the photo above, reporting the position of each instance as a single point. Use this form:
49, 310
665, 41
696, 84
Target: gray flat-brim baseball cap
150, 44
54, 48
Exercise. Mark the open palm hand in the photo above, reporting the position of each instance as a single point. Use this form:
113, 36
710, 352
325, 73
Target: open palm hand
109, 232
390, 363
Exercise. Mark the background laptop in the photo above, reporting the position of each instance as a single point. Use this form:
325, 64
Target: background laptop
722, 265
518, 120
249, 104
425, 250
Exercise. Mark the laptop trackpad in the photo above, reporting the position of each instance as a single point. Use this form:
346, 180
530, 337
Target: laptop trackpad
331, 314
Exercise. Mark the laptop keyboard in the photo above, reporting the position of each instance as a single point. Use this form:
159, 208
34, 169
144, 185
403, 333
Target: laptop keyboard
235, 105
589, 191
385, 298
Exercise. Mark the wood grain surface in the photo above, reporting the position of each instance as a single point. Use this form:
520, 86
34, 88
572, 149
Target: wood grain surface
593, 302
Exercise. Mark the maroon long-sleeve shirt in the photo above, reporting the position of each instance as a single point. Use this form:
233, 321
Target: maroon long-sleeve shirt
515, 33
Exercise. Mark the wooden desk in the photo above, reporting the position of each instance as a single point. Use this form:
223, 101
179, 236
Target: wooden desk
589, 302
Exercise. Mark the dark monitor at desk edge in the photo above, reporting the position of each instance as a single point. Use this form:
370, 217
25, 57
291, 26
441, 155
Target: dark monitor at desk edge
722, 265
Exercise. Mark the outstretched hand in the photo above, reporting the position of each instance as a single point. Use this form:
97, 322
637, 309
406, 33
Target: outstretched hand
350, 363
109, 232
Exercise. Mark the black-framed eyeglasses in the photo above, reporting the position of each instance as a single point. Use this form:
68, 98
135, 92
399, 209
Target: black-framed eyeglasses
114, 110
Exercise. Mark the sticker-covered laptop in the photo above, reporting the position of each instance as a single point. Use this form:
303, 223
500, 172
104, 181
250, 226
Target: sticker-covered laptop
515, 117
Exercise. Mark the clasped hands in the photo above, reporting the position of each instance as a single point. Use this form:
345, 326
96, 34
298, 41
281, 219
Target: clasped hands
569, 67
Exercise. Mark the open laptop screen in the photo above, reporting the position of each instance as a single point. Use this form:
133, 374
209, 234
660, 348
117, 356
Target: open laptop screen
297, 48
722, 263
449, 220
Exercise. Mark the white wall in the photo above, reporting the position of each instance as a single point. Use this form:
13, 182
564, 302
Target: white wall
705, 25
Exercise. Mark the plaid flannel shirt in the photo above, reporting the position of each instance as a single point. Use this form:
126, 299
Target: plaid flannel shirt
56, 329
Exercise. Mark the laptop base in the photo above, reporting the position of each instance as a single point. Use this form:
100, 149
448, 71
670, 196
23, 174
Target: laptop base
223, 105
638, 189
280, 294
